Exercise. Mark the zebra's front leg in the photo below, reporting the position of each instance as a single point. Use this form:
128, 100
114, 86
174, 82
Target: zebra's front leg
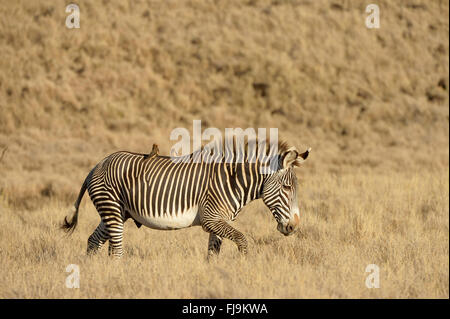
214, 244
222, 229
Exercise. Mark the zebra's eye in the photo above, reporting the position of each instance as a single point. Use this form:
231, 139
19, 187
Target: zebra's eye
286, 188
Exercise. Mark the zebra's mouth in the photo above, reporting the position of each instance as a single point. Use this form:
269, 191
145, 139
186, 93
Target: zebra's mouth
288, 233
285, 230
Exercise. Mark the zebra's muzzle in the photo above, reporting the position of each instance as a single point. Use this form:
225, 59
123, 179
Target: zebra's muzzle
286, 230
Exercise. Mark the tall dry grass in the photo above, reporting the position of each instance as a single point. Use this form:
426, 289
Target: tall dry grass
347, 222
372, 103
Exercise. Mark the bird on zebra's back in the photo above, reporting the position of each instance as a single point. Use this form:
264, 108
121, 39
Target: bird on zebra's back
166, 193
153, 153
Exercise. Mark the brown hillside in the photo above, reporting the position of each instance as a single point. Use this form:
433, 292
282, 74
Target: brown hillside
361, 98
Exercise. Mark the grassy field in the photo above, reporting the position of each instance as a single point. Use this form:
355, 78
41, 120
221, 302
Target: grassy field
348, 222
372, 104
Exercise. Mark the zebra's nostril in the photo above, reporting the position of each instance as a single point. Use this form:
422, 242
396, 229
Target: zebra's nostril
290, 228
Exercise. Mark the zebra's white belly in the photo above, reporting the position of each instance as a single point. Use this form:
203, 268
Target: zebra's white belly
170, 221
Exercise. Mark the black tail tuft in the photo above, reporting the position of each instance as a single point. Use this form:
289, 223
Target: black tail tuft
69, 227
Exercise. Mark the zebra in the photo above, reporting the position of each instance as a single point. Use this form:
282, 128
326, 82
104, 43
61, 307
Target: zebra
167, 193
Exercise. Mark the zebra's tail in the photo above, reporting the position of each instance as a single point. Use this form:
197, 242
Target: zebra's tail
69, 227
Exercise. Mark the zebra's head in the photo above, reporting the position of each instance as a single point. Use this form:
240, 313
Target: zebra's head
280, 191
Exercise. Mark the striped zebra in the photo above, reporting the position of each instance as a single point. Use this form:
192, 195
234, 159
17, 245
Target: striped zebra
166, 193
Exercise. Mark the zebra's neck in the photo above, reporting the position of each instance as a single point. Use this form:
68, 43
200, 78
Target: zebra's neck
245, 183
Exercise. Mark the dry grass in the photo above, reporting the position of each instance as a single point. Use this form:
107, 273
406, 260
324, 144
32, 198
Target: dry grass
399, 223
373, 105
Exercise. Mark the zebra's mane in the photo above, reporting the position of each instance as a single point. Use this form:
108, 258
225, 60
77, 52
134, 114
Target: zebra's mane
243, 149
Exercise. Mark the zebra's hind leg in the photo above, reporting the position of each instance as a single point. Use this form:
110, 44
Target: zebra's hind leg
97, 239
214, 244
115, 231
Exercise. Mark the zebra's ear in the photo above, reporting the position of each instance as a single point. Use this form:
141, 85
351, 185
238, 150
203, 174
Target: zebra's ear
289, 157
302, 157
